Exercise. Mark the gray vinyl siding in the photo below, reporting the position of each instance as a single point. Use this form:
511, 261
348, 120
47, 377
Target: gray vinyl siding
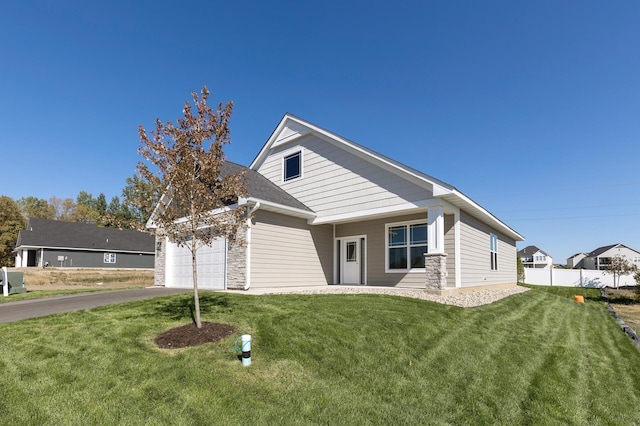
95, 259
286, 251
475, 255
335, 181
375, 256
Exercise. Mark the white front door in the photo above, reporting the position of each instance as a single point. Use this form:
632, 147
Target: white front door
351, 258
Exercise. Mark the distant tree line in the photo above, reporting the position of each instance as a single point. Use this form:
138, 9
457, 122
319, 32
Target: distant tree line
129, 212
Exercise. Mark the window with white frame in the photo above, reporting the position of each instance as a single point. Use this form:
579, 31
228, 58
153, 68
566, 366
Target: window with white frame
406, 246
109, 258
292, 166
493, 243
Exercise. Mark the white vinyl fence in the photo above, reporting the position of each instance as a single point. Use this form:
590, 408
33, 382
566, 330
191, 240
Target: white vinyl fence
574, 278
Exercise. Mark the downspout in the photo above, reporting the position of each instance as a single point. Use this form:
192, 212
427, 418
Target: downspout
247, 281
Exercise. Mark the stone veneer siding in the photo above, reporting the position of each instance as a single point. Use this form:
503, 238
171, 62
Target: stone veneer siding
435, 265
237, 261
160, 261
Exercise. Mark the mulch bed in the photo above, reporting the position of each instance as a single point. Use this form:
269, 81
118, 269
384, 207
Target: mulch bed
190, 335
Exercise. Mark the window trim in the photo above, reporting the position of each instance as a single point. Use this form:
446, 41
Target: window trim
408, 245
493, 251
287, 155
109, 258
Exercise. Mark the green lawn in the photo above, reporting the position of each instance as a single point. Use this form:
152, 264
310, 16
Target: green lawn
533, 358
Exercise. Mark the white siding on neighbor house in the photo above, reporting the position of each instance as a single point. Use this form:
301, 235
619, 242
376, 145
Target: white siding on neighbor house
631, 255
286, 251
475, 255
336, 181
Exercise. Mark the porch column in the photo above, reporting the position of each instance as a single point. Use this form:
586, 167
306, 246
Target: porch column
435, 229
435, 260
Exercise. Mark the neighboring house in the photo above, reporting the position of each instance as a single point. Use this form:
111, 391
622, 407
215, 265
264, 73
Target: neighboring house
70, 244
576, 261
600, 258
533, 257
326, 210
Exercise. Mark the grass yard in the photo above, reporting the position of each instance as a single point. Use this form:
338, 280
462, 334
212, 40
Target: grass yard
533, 358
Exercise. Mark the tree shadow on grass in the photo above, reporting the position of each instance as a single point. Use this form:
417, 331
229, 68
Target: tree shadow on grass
182, 306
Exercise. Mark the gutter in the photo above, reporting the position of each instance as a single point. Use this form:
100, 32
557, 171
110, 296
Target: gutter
247, 283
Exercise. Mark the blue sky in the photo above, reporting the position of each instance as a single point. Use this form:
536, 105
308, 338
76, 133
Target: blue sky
532, 109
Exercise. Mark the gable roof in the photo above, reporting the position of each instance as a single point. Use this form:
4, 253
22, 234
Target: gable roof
46, 233
292, 128
262, 190
530, 250
600, 250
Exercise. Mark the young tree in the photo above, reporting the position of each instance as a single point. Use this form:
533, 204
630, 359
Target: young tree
198, 204
619, 267
11, 222
520, 269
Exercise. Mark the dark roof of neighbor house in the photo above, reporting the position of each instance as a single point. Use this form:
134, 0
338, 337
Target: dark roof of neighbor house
600, 250
530, 250
46, 233
577, 254
260, 187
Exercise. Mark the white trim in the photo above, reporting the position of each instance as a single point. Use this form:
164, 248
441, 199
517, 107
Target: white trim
280, 208
247, 266
369, 214
283, 157
386, 246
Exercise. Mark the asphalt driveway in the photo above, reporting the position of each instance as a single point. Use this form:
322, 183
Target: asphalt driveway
16, 311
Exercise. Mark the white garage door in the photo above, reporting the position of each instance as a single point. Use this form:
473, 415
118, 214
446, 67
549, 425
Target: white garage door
211, 260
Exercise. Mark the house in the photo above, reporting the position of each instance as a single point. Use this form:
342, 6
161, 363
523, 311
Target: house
576, 261
533, 257
71, 244
326, 210
600, 258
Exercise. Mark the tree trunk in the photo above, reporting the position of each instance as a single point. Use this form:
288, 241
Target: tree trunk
196, 299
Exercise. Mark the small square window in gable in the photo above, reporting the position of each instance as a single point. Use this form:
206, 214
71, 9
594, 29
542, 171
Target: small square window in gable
292, 166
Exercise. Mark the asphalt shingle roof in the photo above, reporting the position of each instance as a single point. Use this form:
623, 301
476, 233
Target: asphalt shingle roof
262, 188
74, 235
529, 250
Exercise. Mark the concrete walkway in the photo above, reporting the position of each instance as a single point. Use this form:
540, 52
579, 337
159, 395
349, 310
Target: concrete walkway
16, 311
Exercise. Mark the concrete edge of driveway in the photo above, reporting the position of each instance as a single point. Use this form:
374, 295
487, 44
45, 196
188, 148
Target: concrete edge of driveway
33, 308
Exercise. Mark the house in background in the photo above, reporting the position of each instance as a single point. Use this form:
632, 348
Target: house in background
326, 210
80, 245
533, 257
600, 258
576, 261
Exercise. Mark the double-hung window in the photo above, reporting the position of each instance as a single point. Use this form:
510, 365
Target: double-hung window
493, 243
292, 166
406, 246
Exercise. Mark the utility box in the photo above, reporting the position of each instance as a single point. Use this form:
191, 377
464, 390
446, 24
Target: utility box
15, 282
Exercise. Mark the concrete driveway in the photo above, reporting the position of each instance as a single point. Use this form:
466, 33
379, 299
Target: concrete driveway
16, 311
